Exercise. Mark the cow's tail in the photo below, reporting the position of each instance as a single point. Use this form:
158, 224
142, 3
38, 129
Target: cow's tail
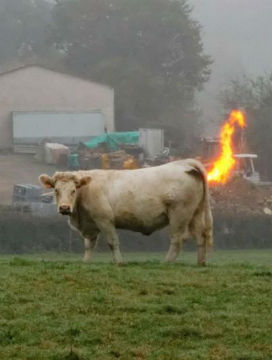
205, 207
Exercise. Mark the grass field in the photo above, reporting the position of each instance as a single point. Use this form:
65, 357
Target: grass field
56, 307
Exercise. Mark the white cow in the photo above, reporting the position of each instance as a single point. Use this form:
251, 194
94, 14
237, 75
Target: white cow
144, 200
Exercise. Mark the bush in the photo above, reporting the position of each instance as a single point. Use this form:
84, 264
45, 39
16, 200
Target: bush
25, 233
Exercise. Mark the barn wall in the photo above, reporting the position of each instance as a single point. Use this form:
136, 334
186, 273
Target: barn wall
38, 89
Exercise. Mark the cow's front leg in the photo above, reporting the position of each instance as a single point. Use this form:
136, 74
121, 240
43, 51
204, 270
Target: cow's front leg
114, 244
90, 244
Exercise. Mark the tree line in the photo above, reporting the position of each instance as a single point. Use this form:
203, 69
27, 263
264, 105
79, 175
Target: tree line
150, 52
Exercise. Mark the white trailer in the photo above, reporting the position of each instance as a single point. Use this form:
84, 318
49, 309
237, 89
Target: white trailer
69, 128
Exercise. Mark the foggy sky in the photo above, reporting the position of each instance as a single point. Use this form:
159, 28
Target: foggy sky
237, 34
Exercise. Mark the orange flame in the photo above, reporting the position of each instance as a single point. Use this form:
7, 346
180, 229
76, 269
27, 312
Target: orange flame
222, 167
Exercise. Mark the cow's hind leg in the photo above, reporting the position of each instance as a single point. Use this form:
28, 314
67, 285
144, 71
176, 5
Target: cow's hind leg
201, 253
197, 229
176, 241
90, 244
178, 224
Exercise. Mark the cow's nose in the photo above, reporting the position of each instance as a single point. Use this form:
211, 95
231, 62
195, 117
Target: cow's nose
64, 209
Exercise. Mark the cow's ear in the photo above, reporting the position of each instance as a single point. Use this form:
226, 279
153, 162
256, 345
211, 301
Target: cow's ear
46, 181
83, 181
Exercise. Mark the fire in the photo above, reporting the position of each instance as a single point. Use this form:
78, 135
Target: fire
222, 167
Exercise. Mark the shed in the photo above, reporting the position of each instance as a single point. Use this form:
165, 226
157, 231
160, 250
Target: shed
33, 94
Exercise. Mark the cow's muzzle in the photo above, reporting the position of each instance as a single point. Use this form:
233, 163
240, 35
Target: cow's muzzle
65, 210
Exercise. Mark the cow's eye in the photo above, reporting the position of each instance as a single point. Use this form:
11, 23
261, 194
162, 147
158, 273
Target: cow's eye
73, 192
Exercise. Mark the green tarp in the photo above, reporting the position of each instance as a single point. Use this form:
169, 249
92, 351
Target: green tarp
114, 139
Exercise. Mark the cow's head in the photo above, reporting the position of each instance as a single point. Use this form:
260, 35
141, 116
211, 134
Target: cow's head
66, 186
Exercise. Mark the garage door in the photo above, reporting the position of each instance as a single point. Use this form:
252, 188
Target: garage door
68, 128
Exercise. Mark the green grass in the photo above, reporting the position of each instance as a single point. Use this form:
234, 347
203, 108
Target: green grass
55, 307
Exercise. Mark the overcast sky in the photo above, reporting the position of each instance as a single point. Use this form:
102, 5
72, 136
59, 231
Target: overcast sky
238, 35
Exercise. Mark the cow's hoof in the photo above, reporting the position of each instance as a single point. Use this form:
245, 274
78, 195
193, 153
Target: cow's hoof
118, 260
120, 264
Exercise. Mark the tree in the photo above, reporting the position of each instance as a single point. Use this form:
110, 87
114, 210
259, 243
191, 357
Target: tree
23, 30
255, 96
149, 51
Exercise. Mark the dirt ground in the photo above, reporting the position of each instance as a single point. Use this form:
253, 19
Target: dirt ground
241, 197
19, 169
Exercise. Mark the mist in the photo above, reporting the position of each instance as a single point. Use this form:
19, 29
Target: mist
159, 74
237, 35
135, 179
